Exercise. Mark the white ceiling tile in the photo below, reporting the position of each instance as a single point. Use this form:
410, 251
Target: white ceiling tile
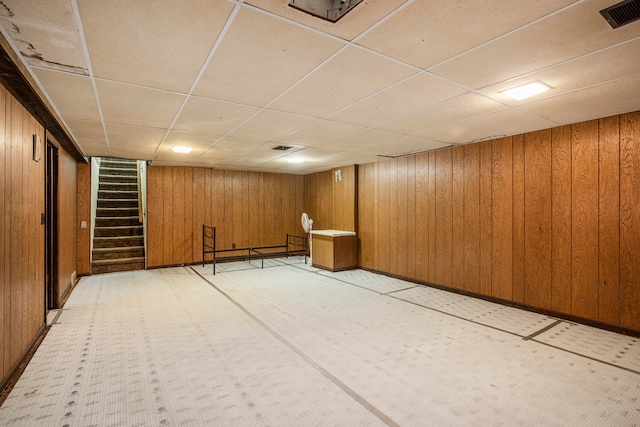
358, 140
196, 141
133, 142
318, 133
360, 18
575, 74
349, 90
211, 117
401, 145
72, 94
583, 104
90, 136
270, 125
160, 44
417, 92
541, 44
46, 34
260, 57
430, 31
349, 77
133, 105
490, 126
459, 108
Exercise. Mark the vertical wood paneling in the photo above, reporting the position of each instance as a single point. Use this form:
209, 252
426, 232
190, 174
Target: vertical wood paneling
365, 215
167, 234
244, 234
284, 209
318, 199
471, 225
411, 216
609, 220
422, 217
35, 235
561, 224
155, 216
255, 215
485, 217
198, 212
502, 218
458, 218
630, 220
4, 248
299, 196
376, 216
519, 216
431, 217
84, 214
22, 235
392, 239
67, 221
270, 207
227, 230
218, 212
584, 219
444, 217
180, 200
402, 214
210, 197
7, 235
537, 232
178, 207
383, 215
343, 197
17, 228
188, 237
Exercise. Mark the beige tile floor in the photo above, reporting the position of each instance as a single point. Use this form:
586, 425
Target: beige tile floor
291, 345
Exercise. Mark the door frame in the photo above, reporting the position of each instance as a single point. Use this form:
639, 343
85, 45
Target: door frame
51, 225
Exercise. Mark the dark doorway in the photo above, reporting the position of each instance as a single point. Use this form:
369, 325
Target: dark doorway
51, 227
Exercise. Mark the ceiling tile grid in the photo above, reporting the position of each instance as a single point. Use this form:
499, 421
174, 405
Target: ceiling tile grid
233, 79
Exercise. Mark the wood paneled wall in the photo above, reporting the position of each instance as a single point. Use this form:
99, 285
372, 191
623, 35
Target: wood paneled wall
331, 204
22, 236
84, 214
67, 223
343, 198
550, 219
317, 199
248, 209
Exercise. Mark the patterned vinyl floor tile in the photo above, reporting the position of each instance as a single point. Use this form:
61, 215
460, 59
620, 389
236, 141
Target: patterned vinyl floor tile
290, 345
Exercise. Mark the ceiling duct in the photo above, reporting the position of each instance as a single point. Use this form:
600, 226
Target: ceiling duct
622, 13
282, 148
331, 10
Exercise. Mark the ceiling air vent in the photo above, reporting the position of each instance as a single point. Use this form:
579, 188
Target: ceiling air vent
282, 148
622, 13
331, 10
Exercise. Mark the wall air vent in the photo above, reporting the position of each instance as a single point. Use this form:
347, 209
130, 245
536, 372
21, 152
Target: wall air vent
282, 148
622, 13
331, 10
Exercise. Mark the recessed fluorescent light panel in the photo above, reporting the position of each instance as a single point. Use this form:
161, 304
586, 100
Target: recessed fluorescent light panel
295, 160
183, 150
526, 91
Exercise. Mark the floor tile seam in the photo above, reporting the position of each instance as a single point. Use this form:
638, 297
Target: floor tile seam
352, 393
613, 365
455, 316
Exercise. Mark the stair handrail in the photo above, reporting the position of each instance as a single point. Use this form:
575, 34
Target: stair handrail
139, 193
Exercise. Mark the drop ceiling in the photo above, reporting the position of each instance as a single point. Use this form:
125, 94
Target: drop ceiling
234, 79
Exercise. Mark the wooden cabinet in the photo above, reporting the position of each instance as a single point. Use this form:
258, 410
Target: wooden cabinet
334, 250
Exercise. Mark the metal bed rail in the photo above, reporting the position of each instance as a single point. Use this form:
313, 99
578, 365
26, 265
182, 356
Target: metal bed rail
243, 254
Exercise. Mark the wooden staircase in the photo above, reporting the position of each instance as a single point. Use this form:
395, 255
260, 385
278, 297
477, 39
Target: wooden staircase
118, 243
